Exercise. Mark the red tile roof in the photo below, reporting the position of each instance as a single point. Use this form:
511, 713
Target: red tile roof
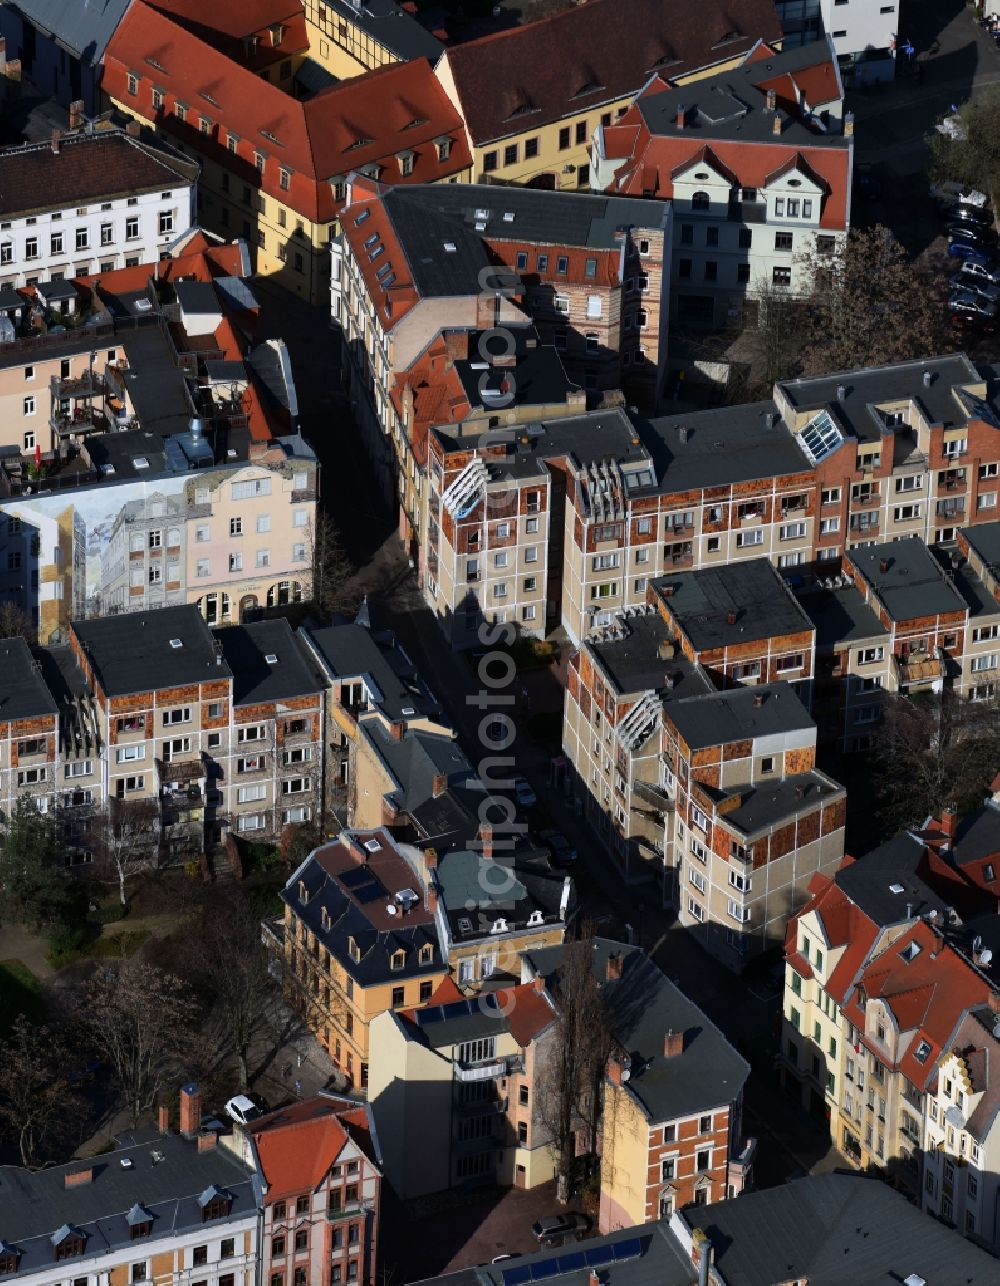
297, 1145
239, 18
373, 119
529, 1011
438, 396
529, 76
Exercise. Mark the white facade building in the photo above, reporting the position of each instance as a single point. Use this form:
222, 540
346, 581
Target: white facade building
89, 203
864, 35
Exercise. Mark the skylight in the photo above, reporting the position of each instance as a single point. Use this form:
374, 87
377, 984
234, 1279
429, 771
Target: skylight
176, 643
820, 437
373, 846
271, 658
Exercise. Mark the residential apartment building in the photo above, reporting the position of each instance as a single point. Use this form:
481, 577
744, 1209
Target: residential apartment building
88, 203
369, 678
126, 479
611, 500
157, 1207
890, 1006
531, 96
589, 271
275, 167
866, 38
356, 939
347, 40
30, 760
457, 1090
59, 46
320, 1168
671, 1131
757, 163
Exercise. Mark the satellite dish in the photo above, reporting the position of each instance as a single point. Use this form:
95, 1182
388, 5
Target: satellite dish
986, 957
626, 1075
390, 908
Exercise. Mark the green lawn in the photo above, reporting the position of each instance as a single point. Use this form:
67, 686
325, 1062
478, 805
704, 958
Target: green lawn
20, 993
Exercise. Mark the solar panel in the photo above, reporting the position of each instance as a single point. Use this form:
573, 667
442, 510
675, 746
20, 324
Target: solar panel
820, 436
628, 1249
516, 1276
355, 876
370, 892
572, 1263
547, 1268
598, 1255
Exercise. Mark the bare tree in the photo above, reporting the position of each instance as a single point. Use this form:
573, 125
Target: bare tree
16, 623
571, 1081
37, 1103
124, 838
140, 1018
871, 305
973, 157
931, 752
231, 963
774, 345
331, 567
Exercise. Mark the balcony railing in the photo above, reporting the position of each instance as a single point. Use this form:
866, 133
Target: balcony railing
490, 1070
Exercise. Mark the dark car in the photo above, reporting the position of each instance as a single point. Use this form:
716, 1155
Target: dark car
960, 248
972, 312
555, 1228
561, 851
981, 287
972, 215
970, 232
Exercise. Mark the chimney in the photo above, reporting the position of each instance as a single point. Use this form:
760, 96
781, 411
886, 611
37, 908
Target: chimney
848, 125
776, 124
883, 565
538, 983
190, 1104
432, 901
439, 784
78, 1178
684, 433
841, 392
56, 136
771, 100
430, 859
994, 1001
207, 1141
681, 115
132, 129
614, 966
702, 1255
163, 1119
949, 820
615, 1070
594, 1278
731, 616
396, 729
486, 840
758, 699
673, 1043
76, 113
928, 378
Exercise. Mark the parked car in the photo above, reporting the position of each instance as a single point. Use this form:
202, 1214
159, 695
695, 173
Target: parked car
959, 248
975, 216
955, 194
968, 310
245, 1108
982, 287
980, 271
524, 792
556, 1227
970, 232
561, 851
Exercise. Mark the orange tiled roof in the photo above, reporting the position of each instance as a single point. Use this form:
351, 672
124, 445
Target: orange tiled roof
297, 1145
378, 118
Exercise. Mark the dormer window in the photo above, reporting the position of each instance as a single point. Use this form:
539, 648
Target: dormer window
443, 146
8, 1259
353, 950
397, 960
277, 34
426, 953
406, 160
324, 918
214, 1203
303, 893
68, 1243
138, 1230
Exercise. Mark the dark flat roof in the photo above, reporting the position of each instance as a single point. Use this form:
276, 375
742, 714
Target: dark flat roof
632, 663
23, 692
735, 715
154, 383
752, 592
350, 651
246, 649
770, 805
721, 446
133, 652
912, 583
830, 1229
840, 616
984, 538
865, 388
978, 835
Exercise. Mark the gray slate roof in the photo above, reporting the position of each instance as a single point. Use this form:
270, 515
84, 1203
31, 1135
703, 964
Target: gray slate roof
33, 1205
23, 691
350, 651
869, 881
832, 1229
510, 887
633, 665
840, 616
769, 805
255, 679
84, 26
644, 1005
132, 653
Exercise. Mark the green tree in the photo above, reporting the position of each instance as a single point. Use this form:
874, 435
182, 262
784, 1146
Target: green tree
975, 159
36, 890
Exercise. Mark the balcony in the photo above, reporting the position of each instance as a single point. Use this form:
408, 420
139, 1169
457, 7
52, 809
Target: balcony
920, 671
868, 527
490, 1070
865, 500
349, 1210
949, 512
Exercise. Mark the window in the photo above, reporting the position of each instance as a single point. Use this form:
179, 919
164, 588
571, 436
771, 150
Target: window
489, 162
781, 276
711, 270
510, 154
228, 1247
31, 248
28, 405
703, 1160
744, 539
564, 138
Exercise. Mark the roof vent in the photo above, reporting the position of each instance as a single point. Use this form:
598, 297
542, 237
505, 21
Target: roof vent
125, 1163
684, 433
176, 643
464, 924
928, 378
450, 247
373, 846
508, 216
271, 658
914, 1279
841, 392
482, 214
141, 462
